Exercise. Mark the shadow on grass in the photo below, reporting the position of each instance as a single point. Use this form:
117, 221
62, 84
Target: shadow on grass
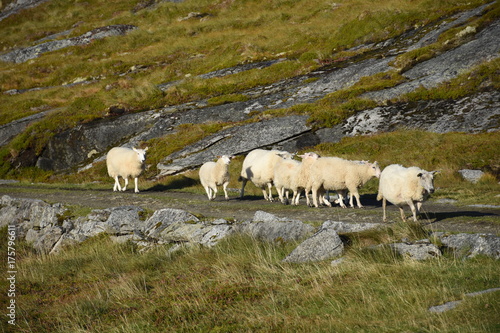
440, 216
174, 184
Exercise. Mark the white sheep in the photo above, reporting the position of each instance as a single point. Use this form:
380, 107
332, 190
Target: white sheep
215, 173
333, 173
285, 172
258, 167
405, 186
125, 162
301, 178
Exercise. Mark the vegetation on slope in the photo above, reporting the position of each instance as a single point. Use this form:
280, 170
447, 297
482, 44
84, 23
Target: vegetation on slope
172, 45
242, 285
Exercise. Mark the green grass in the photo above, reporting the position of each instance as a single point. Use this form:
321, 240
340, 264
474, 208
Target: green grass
241, 285
166, 49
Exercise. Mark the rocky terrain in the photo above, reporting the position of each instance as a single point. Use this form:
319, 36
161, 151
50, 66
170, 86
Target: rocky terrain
87, 143
82, 146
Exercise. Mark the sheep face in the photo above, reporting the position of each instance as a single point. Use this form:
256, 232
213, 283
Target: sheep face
141, 154
309, 155
226, 159
376, 169
427, 181
286, 155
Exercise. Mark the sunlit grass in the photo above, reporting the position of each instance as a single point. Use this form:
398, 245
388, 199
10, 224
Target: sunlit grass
241, 284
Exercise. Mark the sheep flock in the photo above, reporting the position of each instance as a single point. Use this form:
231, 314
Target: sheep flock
312, 175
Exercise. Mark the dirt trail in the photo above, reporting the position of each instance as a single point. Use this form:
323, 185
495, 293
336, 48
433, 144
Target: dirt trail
435, 216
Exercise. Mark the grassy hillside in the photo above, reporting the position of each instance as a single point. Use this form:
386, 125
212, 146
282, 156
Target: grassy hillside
172, 44
241, 285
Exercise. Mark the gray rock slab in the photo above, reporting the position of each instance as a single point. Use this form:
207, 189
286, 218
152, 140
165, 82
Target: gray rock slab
471, 245
471, 114
419, 251
453, 304
236, 140
269, 227
345, 227
162, 218
485, 46
25, 54
472, 176
325, 244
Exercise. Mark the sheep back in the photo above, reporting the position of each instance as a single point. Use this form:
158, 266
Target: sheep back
335, 173
214, 173
259, 164
285, 172
123, 162
399, 184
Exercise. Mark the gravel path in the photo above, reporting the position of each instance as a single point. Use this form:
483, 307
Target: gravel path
435, 216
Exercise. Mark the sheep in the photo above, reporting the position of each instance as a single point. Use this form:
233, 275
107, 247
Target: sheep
215, 173
285, 171
405, 186
300, 179
258, 166
125, 162
333, 173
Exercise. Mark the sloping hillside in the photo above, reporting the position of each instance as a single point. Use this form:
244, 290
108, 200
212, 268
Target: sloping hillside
78, 78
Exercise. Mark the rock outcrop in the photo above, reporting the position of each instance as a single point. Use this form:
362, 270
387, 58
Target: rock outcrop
51, 228
25, 54
472, 114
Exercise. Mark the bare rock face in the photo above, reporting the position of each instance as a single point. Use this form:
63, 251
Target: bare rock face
471, 245
472, 114
476, 113
236, 140
271, 228
25, 54
325, 244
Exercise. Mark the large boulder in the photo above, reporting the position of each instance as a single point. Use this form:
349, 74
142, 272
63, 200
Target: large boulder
235, 140
268, 227
471, 245
325, 244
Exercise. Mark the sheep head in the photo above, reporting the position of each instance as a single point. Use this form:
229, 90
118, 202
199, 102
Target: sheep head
141, 154
226, 159
376, 169
427, 180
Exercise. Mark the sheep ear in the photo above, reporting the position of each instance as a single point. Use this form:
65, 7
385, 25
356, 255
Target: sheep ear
435, 172
134, 149
146, 149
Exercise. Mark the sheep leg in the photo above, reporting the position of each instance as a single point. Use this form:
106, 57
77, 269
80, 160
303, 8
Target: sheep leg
281, 191
403, 216
242, 191
295, 198
208, 190
270, 187
413, 210
308, 202
213, 192
315, 197
358, 201
384, 204
117, 186
341, 200
136, 190
224, 187
126, 183
325, 200
264, 192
